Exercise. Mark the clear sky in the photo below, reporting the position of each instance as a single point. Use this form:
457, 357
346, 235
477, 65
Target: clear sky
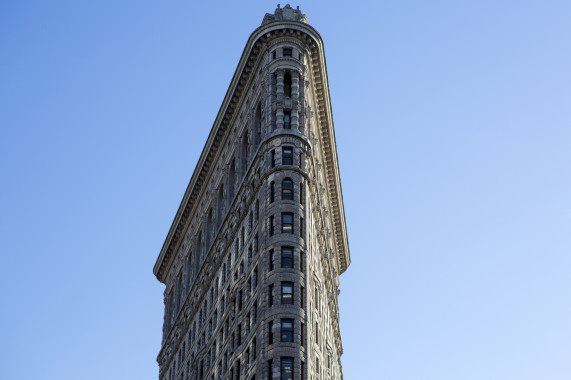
453, 125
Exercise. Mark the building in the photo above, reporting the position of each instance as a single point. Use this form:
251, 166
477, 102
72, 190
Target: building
252, 260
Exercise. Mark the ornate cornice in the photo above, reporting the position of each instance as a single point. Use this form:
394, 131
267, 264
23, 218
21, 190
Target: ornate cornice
227, 113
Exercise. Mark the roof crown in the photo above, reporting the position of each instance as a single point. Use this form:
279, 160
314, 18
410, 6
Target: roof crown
285, 13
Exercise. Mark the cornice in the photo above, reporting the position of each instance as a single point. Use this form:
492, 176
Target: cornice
227, 112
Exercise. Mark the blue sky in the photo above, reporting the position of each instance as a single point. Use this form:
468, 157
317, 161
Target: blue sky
453, 127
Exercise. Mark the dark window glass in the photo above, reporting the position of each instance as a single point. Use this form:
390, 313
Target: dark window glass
288, 52
271, 295
287, 84
272, 225
287, 156
274, 54
287, 369
271, 259
287, 189
287, 222
287, 330
273, 157
287, 257
270, 369
287, 120
287, 292
270, 332
272, 191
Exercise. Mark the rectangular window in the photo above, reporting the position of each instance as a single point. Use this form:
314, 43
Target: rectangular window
316, 332
270, 369
301, 227
287, 120
273, 158
272, 225
301, 297
287, 292
274, 54
272, 192
302, 333
287, 156
271, 259
288, 52
287, 368
287, 222
287, 330
287, 257
270, 332
271, 295
301, 262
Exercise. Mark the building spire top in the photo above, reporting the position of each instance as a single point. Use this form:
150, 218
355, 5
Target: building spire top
285, 13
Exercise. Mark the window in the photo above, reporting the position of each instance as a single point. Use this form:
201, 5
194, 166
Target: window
287, 156
287, 368
301, 193
273, 157
270, 332
271, 260
274, 54
316, 332
270, 369
272, 225
287, 222
272, 191
271, 295
287, 85
287, 189
287, 120
301, 262
287, 257
301, 227
287, 330
302, 333
301, 299
287, 293
288, 52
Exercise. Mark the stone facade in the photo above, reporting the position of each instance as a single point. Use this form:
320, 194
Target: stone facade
252, 261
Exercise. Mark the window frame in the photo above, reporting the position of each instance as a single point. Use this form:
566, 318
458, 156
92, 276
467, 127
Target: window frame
287, 192
287, 298
287, 159
287, 262
287, 227
286, 333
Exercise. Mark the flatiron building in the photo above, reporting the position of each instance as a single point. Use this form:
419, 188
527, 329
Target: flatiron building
252, 260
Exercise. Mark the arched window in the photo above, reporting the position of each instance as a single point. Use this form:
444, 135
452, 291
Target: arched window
287, 189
